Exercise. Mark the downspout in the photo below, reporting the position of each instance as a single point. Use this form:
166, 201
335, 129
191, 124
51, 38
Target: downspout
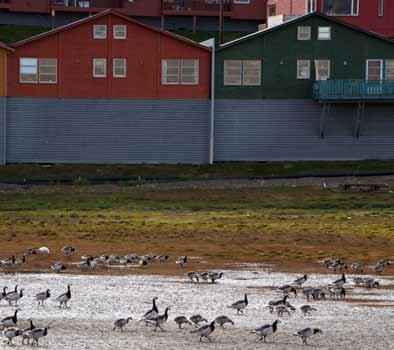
5, 130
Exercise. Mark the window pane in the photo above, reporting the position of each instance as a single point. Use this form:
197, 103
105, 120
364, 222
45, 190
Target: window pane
119, 31
48, 70
252, 72
322, 69
119, 67
374, 69
324, 33
189, 71
28, 70
233, 72
340, 7
99, 67
170, 71
100, 31
390, 69
303, 69
304, 33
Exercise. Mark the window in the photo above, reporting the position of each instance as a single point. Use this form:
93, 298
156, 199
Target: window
246, 72
380, 7
324, 33
374, 70
99, 67
341, 7
28, 70
271, 10
119, 67
241, 1
99, 31
322, 69
389, 72
304, 33
48, 70
120, 31
175, 72
310, 6
303, 69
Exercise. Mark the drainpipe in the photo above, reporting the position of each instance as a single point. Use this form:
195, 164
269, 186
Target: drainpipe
4, 161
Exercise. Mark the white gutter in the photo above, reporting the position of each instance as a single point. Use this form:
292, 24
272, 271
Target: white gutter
211, 43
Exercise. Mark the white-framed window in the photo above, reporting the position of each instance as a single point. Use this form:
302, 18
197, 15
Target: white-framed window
180, 72
100, 31
28, 70
242, 72
324, 33
310, 6
380, 8
322, 68
99, 67
120, 31
374, 70
341, 7
119, 67
389, 70
48, 70
304, 33
303, 69
241, 1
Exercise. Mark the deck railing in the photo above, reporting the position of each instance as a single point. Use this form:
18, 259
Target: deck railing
196, 5
347, 89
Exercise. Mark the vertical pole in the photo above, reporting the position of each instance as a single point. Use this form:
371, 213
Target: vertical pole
194, 24
221, 22
212, 125
162, 22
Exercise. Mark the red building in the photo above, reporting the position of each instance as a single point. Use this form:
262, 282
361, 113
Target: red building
109, 56
234, 10
373, 15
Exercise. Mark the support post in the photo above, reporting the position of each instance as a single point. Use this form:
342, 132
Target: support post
359, 118
163, 22
194, 24
221, 22
325, 110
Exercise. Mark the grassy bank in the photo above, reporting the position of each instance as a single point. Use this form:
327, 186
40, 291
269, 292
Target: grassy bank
290, 227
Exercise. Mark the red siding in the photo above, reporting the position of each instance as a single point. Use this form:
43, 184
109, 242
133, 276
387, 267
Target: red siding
75, 49
289, 7
255, 10
42, 6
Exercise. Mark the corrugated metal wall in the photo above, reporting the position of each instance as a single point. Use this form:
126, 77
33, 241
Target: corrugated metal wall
264, 130
107, 131
3, 105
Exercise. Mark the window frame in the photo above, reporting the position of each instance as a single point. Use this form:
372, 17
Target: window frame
329, 69
114, 32
196, 71
380, 8
319, 33
94, 68
117, 76
299, 32
39, 70
299, 77
242, 81
242, 2
386, 68
20, 70
352, 13
381, 61
180, 76
310, 6
105, 33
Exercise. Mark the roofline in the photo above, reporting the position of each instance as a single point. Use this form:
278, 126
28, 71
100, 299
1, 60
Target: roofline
102, 14
6, 47
301, 18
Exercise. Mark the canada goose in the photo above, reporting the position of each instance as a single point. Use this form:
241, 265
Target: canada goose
206, 330
306, 309
64, 298
26, 333
240, 305
338, 292
20, 261
222, 320
4, 293
162, 258
122, 322
192, 275
8, 262
340, 282
10, 321
357, 267
287, 289
197, 319
68, 250
305, 333
41, 297
371, 283
204, 276
182, 261
300, 281
43, 250
14, 297
152, 313
37, 334
267, 330
11, 333
214, 276
57, 267
159, 320
272, 304
281, 309
180, 320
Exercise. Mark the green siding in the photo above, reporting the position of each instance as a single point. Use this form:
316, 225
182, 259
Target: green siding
279, 50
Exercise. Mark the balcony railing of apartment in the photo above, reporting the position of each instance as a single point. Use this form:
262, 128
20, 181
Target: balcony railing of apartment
196, 5
72, 3
353, 90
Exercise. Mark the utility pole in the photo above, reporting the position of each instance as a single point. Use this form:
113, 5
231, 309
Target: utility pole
221, 22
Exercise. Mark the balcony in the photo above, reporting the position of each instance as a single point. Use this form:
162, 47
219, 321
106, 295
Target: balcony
5, 4
196, 7
353, 91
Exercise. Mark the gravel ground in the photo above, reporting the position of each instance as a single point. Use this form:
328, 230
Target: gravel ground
364, 323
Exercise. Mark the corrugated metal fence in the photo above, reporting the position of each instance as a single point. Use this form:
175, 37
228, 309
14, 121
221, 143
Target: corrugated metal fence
268, 130
107, 131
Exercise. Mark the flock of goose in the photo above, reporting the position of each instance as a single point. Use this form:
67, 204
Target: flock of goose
201, 326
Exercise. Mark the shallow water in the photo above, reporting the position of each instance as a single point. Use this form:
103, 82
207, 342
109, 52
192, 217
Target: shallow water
98, 301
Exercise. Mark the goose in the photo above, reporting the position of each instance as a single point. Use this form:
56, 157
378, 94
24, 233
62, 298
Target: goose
8, 262
222, 320
340, 282
305, 333
318, 293
287, 289
160, 320
182, 261
122, 322
338, 265
371, 283
68, 250
206, 330
14, 297
180, 320
64, 298
300, 281
30, 251
308, 292
240, 305
272, 304
215, 276
204, 276
102, 259
338, 292
162, 258
11, 333
88, 257
358, 280
43, 250
4, 293
281, 309
41, 297
193, 275
112, 259
20, 261
86, 265
57, 267
378, 268
197, 319
307, 309
37, 334
10, 321
152, 313
26, 333
267, 330
357, 267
